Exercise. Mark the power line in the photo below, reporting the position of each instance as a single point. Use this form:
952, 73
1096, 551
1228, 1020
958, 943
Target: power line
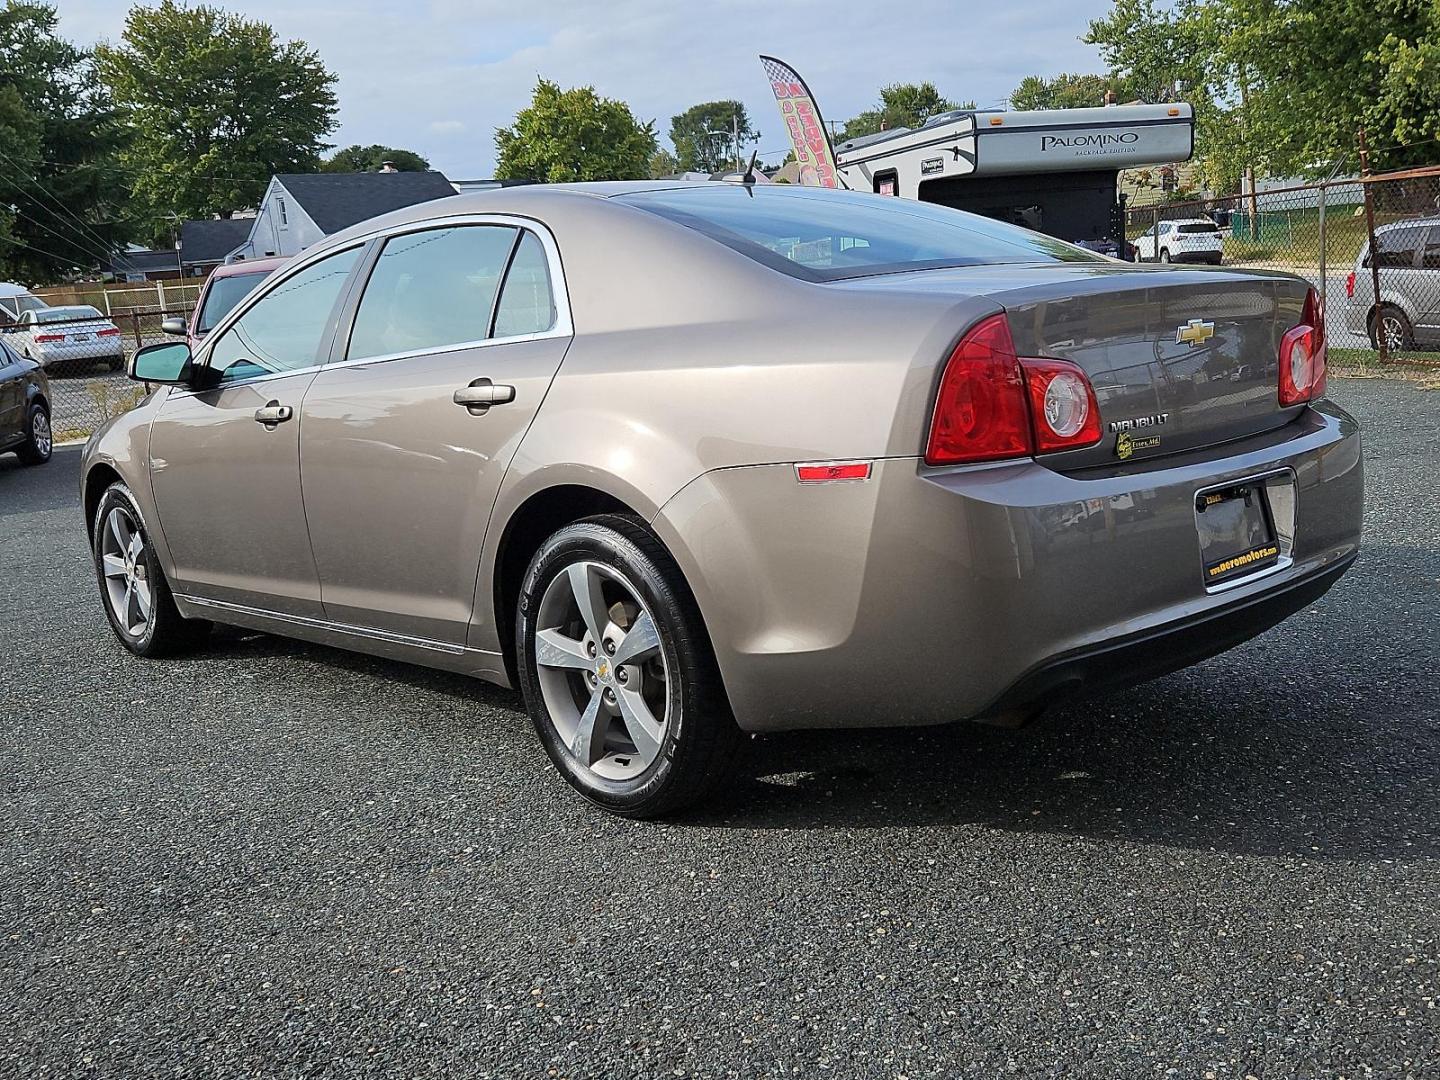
104, 244
76, 244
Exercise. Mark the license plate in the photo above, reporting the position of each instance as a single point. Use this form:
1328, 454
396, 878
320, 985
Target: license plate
81, 337
1237, 533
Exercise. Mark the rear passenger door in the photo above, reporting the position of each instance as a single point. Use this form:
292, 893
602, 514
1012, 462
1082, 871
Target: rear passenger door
1428, 300
407, 433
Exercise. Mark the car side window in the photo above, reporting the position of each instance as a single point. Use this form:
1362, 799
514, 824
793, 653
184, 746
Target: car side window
1430, 256
1398, 248
431, 289
527, 302
284, 329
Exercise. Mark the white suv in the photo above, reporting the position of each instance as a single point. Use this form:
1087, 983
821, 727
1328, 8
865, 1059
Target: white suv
1186, 240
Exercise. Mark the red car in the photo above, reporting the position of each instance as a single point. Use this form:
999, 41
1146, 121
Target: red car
225, 287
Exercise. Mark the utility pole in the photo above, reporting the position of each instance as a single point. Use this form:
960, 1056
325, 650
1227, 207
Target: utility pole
1380, 342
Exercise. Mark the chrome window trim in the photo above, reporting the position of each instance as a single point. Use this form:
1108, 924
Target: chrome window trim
560, 293
563, 327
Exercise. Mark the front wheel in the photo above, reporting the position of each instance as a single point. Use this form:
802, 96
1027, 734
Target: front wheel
617, 671
40, 443
133, 588
1164, 255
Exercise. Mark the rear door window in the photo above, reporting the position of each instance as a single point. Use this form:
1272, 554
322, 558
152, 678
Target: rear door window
1399, 247
431, 289
527, 302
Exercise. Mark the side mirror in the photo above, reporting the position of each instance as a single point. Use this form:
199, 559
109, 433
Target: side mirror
173, 325
168, 363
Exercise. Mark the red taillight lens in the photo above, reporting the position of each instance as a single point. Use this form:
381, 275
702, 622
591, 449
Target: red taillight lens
1350, 284
112, 332
40, 339
1302, 356
980, 411
1062, 403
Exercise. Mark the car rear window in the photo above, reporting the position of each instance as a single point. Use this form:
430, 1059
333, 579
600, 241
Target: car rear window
1198, 228
823, 235
61, 314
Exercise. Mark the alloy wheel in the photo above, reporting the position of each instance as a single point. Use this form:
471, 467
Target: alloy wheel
1394, 332
602, 671
40, 434
128, 589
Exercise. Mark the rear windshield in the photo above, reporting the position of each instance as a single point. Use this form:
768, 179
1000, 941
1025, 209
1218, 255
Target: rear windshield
822, 235
60, 314
1199, 228
224, 294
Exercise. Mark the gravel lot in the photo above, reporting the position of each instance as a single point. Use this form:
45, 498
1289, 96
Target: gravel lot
281, 860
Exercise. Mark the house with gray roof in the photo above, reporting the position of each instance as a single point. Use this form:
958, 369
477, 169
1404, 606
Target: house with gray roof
204, 245
300, 209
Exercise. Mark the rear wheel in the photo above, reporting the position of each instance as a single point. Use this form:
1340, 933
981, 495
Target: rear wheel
132, 586
1391, 324
40, 443
617, 671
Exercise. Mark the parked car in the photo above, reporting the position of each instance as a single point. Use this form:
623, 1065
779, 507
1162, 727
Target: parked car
14, 300
1408, 315
683, 461
78, 336
225, 287
24, 408
1185, 241
1116, 249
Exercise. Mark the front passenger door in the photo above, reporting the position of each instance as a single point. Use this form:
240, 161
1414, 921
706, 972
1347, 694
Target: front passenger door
225, 461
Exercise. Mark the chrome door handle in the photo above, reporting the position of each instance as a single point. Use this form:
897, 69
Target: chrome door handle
481, 394
273, 413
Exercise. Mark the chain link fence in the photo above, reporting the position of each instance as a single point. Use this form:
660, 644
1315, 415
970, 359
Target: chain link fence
1325, 232
84, 353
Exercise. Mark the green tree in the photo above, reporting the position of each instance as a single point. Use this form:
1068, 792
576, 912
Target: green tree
565, 135
697, 144
217, 103
370, 158
60, 205
1065, 91
663, 164
901, 105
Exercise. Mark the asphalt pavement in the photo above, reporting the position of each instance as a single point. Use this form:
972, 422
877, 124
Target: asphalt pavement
278, 860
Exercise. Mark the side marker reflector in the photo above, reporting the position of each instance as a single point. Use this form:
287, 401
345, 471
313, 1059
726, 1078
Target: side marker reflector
831, 471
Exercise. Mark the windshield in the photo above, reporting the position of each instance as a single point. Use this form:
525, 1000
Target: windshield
823, 235
223, 295
60, 314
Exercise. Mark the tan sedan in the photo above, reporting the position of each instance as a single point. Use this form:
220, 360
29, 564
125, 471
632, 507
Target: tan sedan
685, 461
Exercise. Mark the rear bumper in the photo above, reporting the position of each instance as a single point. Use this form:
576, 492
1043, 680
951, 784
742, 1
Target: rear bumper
99, 349
1211, 257
924, 596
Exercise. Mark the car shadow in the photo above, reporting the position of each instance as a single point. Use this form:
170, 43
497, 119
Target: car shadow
32, 489
1189, 761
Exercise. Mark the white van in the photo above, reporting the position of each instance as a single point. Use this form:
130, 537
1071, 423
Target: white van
15, 300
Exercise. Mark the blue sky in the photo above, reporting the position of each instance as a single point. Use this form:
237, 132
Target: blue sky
438, 76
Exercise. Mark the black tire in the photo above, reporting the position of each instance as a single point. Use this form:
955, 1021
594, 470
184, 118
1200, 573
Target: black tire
40, 444
166, 632
116, 363
700, 738
1164, 255
1404, 334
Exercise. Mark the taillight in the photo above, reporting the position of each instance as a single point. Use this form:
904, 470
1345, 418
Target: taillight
993, 405
41, 339
1350, 284
1062, 402
114, 331
980, 411
1302, 356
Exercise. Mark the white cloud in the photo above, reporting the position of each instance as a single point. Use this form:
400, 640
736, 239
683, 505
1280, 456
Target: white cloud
478, 59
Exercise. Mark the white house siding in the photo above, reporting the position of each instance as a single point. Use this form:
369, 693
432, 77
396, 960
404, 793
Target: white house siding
275, 233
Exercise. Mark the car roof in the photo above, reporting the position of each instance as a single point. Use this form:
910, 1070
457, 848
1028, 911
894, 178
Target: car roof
1192, 221
1408, 223
249, 266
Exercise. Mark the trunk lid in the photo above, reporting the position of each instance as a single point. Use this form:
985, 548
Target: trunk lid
1179, 358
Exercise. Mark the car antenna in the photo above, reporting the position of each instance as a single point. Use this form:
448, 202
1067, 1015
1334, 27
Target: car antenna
749, 177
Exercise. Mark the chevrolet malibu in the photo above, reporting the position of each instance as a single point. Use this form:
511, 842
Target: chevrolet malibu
688, 461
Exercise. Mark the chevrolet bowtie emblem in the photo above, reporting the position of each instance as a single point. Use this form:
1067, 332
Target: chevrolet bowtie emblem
1194, 332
